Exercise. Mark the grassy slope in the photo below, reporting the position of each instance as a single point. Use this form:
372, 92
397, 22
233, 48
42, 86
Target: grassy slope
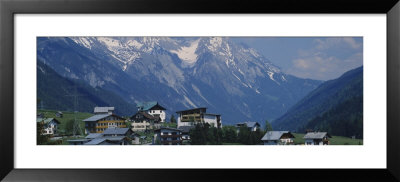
335, 140
66, 117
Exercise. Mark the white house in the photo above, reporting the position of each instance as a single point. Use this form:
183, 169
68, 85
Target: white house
317, 138
278, 138
191, 117
253, 126
50, 125
152, 108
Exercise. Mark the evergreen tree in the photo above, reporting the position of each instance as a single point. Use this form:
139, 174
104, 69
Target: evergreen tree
268, 126
41, 139
69, 127
229, 134
244, 134
172, 120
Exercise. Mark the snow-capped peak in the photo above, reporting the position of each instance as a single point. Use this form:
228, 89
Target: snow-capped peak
188, 54
86, 42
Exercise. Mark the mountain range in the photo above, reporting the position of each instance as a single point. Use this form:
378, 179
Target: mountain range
336, 106
228, 78
59, 93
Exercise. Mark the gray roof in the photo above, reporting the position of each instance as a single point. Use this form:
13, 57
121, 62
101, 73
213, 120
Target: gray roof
102, 116
115, 131
103, 109
96, 141
94, 135
273, 135
145, 106
114, 138
168, 128
48, 120
78, 140
316, 135
211, 114
100, 140
185, 129
199, 108
97, 117
249, 124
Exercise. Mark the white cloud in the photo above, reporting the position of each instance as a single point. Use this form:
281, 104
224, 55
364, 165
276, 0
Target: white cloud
326, 59
345, 42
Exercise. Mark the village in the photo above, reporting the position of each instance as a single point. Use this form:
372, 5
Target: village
148, 126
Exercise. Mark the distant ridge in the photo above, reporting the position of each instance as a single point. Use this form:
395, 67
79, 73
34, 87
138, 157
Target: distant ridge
335, 106
55, 93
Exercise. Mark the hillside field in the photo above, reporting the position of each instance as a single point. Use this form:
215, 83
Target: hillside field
67, 116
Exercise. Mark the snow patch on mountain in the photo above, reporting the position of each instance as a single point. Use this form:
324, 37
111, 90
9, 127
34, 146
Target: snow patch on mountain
135, 44
83, 41
188, 101
283, 78
109, 42
271, 75
197, 90
188, 54
214, 43
42, 70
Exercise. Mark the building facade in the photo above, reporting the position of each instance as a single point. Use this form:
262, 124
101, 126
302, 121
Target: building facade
143, 121
152, 108
167, 136
252, 126
50, 125
103, 110
278, 138
111, 136
100, 122
185, 132
317, 138
191, 117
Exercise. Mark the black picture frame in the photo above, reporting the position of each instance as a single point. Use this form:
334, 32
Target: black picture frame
9, 8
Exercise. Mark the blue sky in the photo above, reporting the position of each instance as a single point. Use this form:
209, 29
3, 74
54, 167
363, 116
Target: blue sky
321, 58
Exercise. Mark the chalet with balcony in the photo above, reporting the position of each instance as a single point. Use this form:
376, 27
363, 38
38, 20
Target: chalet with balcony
185, 132
142, 121
153, 108
317, 138
167, 136
100, 122
191, 117
278, 138
50, 125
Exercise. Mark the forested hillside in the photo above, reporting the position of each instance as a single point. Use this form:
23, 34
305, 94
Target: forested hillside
335, 106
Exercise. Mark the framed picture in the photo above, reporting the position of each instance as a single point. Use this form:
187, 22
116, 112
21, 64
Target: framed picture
203, 76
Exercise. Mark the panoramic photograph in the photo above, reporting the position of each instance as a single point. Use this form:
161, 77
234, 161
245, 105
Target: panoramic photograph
199, 91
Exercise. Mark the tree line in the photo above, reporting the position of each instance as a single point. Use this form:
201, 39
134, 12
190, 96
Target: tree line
205, 134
